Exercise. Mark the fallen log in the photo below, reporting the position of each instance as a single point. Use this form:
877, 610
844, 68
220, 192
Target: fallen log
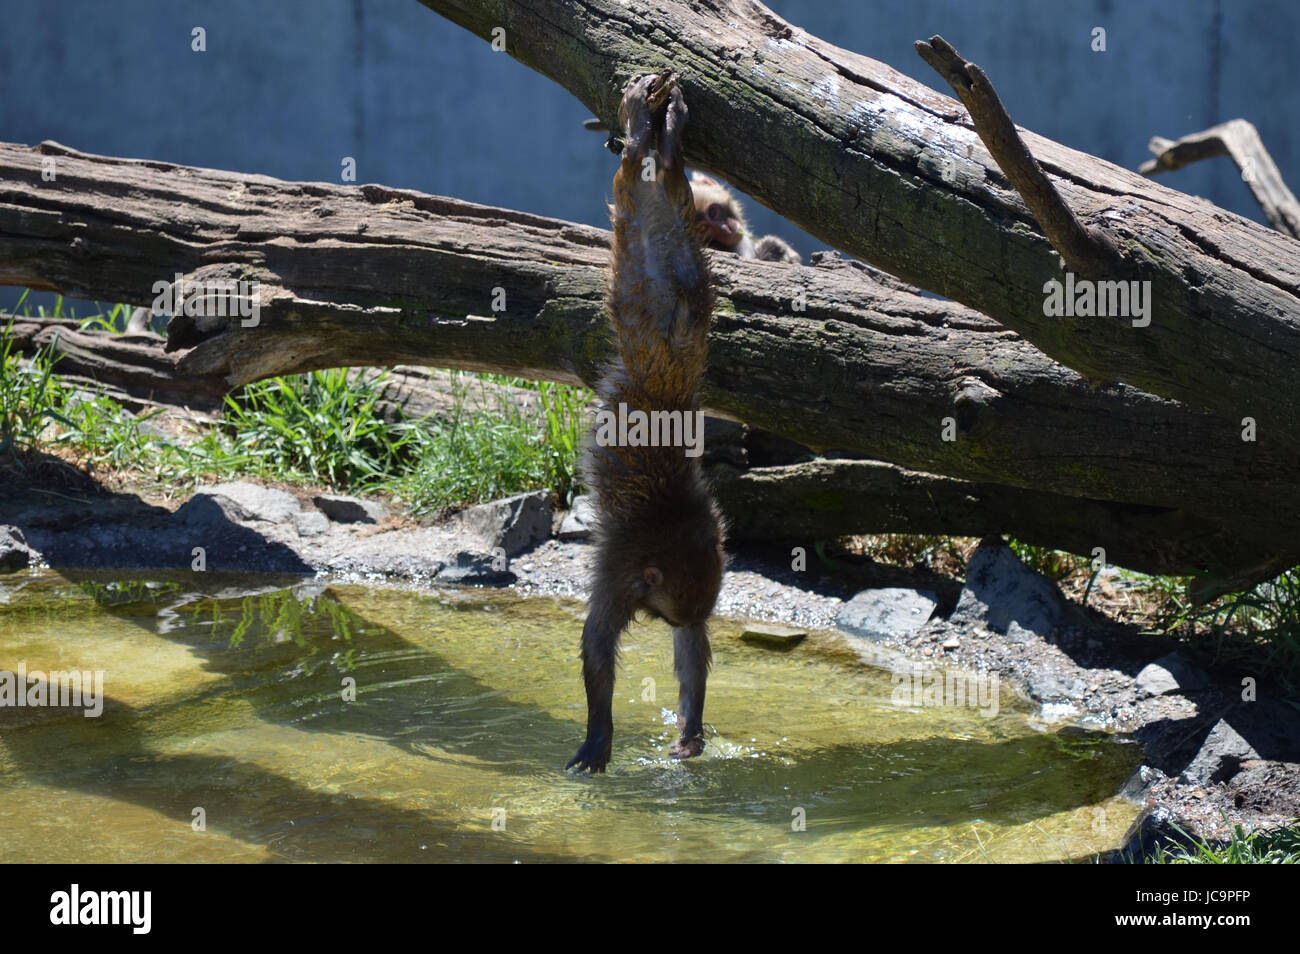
131, 367
818, 499
796, 503
884, 168
369, 275
135, 370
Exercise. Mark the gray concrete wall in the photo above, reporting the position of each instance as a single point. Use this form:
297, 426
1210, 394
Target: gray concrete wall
288, 87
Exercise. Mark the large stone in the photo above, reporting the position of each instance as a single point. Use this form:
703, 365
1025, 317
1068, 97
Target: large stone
1001, 591
1170, 673
1155, 680
891, 611
469, 568
240, 502
311, 523
15, 554
1220, 756
580, 522
513, 524
1049, 686
349, 509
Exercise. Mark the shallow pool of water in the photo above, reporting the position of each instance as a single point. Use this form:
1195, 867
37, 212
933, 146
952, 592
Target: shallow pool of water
264, 720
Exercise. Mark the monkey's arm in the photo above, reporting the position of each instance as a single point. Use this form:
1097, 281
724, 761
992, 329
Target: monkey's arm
605, 622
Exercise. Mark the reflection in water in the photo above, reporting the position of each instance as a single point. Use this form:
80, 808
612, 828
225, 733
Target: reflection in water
277, 719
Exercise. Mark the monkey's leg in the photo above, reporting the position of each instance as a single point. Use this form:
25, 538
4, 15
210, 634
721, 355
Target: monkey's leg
691, 658
660, 295
599, 647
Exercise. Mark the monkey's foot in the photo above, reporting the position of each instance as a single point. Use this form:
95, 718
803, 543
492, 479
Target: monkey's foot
687, 748
592, 757
653, 115
661, 85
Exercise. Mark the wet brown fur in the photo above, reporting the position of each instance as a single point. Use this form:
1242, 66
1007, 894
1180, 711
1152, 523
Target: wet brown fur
659, 538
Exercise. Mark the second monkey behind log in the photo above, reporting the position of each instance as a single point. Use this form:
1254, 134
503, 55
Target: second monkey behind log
659, 545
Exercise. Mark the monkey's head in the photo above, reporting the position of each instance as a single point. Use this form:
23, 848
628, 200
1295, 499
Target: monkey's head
675, 567
682, 588
717, 213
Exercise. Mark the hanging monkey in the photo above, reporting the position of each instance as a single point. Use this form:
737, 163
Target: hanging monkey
660, 534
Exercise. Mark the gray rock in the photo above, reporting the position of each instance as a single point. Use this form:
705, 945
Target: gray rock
1138, 786
350, 509
1185, 676
469, 568
1046, 685
1155, 680
1170, 673
15, 554
891, 611
1000, 591
1157, 828
1017, 633
580, 522
311, 523
241, 503
1220, 756
201, 512
514, 524
1273, 727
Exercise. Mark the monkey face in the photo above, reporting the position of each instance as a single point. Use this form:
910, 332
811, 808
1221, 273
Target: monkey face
683, 590
717, 214
720, 228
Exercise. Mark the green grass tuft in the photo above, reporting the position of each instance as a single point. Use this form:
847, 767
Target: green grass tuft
1279, 846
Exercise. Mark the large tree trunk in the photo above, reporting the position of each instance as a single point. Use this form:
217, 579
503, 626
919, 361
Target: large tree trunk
789, 502
888, 170
368, 275
818, 499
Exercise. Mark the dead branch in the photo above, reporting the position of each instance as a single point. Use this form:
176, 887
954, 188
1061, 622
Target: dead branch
1239, 140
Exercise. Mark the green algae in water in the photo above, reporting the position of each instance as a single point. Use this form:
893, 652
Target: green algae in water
283, 720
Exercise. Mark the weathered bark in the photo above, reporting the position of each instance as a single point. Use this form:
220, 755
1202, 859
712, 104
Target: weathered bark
136, 371
1239, 140
369, 275
819, 498
129, 366
884, 168
1084, 249
799, 502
